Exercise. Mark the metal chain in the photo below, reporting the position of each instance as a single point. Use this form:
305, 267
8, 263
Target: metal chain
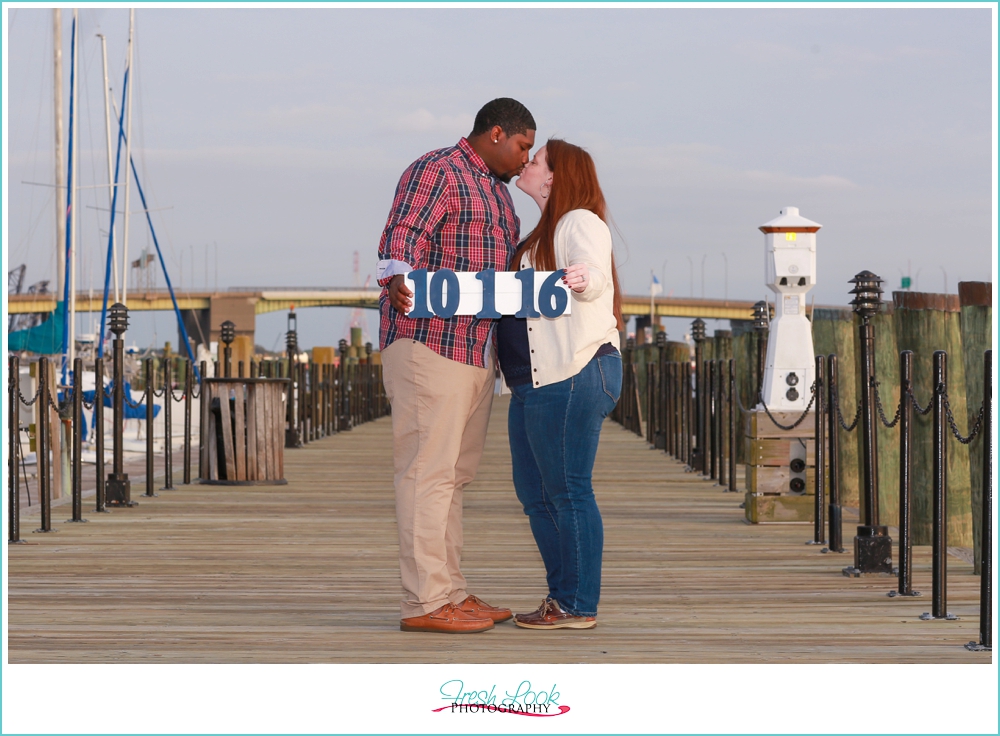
66, 409
881, 411
760, 399
951, 418
840, 416
161, 392
788, 428
128, 400
24, 401
174, 396
920, 411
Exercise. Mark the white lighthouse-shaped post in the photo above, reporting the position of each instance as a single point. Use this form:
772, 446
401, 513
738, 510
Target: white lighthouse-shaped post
790, 267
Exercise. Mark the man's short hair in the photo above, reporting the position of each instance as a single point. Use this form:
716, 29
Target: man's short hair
512, 117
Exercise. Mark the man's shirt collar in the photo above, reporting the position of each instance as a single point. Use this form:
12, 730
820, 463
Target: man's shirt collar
477, 161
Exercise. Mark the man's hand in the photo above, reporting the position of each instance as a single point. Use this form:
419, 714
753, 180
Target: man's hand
577, 277
399, 295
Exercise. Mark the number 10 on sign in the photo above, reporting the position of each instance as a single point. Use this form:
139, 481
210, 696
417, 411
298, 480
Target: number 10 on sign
488, 294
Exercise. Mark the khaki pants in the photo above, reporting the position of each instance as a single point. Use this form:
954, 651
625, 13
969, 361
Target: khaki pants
440, 412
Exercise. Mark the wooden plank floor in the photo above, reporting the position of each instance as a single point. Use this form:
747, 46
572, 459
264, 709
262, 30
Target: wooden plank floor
308, 573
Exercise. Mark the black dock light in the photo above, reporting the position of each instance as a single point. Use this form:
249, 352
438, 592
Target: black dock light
867, 294
118, 490
872, 545
292, 338
368, 349
118, 318
698, 453
342, 349
228, 334
698, 330
661, 339
760, 316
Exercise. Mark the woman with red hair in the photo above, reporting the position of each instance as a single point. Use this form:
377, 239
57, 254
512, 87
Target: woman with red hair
565, 376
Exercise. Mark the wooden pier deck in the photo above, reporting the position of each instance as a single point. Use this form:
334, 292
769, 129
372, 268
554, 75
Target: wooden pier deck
308, 573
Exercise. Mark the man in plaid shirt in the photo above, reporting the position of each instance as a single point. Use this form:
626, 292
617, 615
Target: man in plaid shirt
452, 209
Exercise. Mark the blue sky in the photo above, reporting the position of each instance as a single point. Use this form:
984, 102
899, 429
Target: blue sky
279, 135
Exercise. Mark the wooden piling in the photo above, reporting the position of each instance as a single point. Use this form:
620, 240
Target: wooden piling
976, 302
924, 323
678, 352
834, 334
722, 345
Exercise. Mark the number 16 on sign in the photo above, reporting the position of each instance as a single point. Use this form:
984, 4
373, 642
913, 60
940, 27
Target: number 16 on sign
488, 294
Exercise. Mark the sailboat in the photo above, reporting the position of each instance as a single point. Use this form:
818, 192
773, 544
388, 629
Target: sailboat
57, 334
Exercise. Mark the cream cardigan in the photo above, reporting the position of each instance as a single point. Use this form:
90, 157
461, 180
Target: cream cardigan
562, 346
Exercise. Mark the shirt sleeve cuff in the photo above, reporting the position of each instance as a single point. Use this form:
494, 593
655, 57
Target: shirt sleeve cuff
388, 268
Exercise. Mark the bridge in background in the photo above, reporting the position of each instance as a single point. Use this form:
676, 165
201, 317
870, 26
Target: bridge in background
204, 311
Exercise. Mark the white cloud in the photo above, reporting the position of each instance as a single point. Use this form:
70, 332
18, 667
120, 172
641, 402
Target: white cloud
424, 121
279, 157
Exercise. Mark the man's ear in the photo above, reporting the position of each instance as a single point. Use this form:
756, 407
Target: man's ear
497, 135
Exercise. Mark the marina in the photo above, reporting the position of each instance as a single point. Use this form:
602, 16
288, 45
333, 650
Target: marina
307, 572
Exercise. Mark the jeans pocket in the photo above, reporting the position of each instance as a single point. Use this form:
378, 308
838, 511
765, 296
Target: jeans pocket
611, 375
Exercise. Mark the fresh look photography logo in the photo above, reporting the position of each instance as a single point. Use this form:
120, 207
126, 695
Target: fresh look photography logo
522, 700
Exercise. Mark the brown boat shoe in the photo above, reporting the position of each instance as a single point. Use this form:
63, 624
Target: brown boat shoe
481, 609
448, 619
550, 616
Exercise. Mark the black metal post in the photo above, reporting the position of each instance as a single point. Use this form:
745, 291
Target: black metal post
150, 378
872, 544
939, 575
711, 410
42, 446
203, 425
986, 538
722, 426
99, 500
733, 413
300, 409
836, 534
119, 487
13, 435
819, 500
227, 333
188, 385
658, 405
669, 408
687, 376
77, 426
761, 322
698, 452
168, 415
905, 474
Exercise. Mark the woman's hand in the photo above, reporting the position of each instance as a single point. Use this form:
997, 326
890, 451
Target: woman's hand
577, 277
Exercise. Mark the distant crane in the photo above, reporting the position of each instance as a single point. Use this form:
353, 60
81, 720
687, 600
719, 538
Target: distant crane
358, 318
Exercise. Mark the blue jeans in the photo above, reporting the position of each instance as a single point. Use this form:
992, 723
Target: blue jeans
554, 432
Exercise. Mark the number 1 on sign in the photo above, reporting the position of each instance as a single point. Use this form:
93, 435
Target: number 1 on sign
489, 279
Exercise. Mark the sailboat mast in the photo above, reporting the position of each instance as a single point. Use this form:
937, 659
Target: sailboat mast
111, 181
128, 158
58, 112
74, 189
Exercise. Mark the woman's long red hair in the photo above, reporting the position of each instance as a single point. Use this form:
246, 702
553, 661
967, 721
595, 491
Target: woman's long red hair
574, 187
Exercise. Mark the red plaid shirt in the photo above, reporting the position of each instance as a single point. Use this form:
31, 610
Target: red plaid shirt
449, 211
